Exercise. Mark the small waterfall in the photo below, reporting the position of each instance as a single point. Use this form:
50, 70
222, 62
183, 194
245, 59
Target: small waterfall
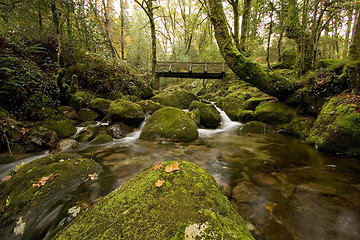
136, 134
226, 125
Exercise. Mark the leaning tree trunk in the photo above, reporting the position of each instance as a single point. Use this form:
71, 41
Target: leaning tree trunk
244, 68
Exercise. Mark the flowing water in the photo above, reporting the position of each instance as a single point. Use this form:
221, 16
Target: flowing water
288, 190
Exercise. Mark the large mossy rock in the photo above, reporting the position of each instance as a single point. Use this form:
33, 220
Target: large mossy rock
189, 205
100, 139
39, 138
337, 128
126, 112
63, 128
274, 113
86, 115
209, 116
28, 204
300, 126
150, 106
178, 99
101, 105
169, 124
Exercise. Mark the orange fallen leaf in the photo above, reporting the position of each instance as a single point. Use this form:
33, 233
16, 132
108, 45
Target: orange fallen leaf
93, 176
42, 181
6, 178
159, 183
172, 167
157, 166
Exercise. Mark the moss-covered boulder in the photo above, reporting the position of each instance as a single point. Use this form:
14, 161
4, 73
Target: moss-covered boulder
231, 106
150, 106
36, 190
119, 130
186, 204
185, 98
39, 138
127, 112
274, 113
86, 115
195, 116
87, 133
100, 139
300, 126
63, 128
246, 116
81, 99
337, 128
67, 112
101, 105
255, 127
170, 124
166, 99
253, 102
209, 116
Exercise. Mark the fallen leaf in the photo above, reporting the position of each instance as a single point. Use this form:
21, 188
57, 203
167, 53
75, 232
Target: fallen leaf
93, 176
42, 181
172, 167
81, 160
61, 160
159, 183
6, 178
157, 166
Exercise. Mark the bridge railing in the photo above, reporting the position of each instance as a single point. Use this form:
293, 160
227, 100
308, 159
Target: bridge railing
196, 67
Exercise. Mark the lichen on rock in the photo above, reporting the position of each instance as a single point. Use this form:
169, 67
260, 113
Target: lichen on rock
189, 205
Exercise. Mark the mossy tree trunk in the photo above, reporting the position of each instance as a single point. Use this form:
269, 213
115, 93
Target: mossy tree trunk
244, 25
243, 67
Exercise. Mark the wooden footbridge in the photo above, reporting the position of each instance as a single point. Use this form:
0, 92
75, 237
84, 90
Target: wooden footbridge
214, 70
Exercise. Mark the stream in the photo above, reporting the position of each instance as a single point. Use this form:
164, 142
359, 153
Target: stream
289, 189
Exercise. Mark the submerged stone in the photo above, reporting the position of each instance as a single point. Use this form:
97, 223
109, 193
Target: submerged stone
337, 128
255, 127
188, 205
169, 124
28, 200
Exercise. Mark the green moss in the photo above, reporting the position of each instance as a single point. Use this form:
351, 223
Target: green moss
195, 116
81, 99
101, 105
230, 105
300, 126
170, 124
126, 111
167, 99
28, 203
102, 138
189, 199
246, 116
337, 128
255, 127
86, 115
88, 133
274, 113
40, 113
253, 102
209, 116
150, 106
63, 128
185, 98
